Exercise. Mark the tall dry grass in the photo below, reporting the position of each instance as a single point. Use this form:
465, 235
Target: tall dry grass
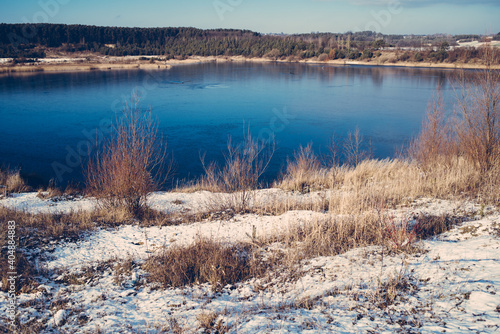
394, 182
446, 160
209, 261
12, 182
130, 164
305, 172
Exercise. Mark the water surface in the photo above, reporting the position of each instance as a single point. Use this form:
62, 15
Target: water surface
47, 120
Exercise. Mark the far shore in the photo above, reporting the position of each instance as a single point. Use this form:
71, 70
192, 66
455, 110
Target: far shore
104, 63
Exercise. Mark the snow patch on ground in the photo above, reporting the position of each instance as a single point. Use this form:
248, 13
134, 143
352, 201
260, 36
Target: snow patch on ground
452, 286
140, 242
31, 202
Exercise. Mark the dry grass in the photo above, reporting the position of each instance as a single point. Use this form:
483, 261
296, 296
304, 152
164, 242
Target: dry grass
208, 323
203, 261
173, 326
55, 193
209, 261
34, 231
398, 286
123, 269
220, 264
281, 203
31, 327
429, 226
333, 235
304, 173
391, 183
12, 182
445, 160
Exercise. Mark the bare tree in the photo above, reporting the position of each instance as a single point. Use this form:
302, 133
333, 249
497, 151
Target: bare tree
478, 128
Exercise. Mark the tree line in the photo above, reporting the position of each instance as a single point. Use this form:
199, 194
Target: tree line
33, 40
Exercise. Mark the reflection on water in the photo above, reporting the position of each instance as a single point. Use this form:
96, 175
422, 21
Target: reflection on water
47, 118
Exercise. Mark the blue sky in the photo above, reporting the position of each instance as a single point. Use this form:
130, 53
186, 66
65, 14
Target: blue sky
291, 16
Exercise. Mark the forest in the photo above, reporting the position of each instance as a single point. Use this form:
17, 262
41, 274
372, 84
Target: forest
29, 41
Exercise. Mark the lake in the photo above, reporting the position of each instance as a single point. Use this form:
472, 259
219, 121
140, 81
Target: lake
47, 119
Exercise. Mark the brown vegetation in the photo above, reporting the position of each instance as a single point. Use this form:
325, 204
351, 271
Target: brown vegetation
302, 172
244, 165
446, 160
34, 231
129, 165
204, 261
478, 129
12, 182
435, 138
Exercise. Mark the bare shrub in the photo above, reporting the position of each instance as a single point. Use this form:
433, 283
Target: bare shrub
203, 261
244, 165
478, 130
434, 141
355, 150
129, 166
463, 159
399, 234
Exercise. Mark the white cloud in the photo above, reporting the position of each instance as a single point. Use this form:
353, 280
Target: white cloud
418, 3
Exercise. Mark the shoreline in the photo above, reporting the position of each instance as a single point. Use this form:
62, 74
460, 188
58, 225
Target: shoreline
51, 65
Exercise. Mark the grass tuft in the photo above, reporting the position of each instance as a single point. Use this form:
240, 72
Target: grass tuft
204, 261
12, 182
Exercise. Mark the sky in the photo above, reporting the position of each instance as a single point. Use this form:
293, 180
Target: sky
271, 16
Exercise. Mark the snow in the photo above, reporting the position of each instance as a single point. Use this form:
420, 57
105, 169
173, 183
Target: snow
453, 285
58, 318
163, 201
31, 202
139, 242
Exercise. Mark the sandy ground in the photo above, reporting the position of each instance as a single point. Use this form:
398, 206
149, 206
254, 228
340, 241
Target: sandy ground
104, 63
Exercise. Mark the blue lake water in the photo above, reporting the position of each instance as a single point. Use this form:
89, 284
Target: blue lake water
46, 120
